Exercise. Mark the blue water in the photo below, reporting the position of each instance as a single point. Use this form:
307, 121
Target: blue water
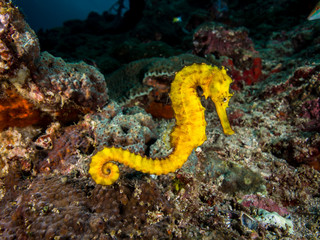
49, 14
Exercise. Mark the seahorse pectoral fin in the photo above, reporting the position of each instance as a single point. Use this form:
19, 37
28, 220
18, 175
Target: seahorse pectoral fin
222, 113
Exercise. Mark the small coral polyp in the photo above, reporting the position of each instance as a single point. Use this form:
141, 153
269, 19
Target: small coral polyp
189, 131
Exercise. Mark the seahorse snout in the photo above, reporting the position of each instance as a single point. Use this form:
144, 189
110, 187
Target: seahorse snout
218, 91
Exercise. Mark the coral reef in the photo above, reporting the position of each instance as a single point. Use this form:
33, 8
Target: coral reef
234, 49
146, 83
153, 72
19, 45
133, 130
55, 207
57, 87
17, 150
54, 89
19, 48
263, 203
273, 219
33, 84
261, 183
66, 147
17, 111
300, 91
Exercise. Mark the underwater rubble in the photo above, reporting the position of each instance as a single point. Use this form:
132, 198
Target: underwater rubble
93, 86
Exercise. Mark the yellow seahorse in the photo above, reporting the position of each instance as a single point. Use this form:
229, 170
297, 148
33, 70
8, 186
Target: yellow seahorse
189, 131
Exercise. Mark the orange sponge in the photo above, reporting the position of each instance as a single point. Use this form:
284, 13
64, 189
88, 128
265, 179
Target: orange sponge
16, 111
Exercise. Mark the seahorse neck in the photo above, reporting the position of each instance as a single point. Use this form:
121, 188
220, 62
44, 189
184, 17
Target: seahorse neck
189, 113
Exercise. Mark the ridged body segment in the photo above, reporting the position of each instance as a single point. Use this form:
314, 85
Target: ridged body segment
189, 131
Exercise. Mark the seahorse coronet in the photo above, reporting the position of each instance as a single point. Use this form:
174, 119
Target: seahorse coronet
189, 131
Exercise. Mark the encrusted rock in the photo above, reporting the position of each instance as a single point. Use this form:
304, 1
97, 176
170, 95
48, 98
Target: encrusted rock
19, 45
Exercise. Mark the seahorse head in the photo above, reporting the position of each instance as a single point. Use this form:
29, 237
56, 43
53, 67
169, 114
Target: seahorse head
216, 86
